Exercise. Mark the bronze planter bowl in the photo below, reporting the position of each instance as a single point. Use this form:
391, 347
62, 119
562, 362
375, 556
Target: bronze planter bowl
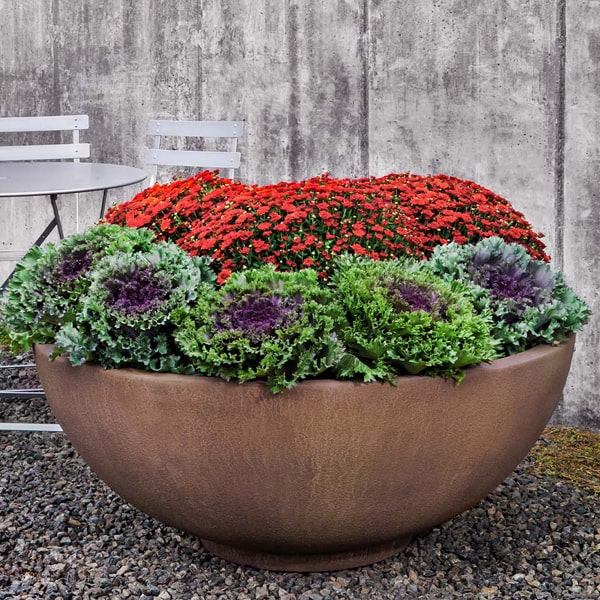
328, 475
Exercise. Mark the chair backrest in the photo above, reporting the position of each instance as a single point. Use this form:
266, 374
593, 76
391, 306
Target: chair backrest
74, 150
227, 160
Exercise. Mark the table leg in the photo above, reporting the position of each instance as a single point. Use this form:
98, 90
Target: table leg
42, 237
53, 198
45, 233
103, 207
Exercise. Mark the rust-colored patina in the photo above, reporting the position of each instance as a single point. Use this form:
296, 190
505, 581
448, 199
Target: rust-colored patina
327, 475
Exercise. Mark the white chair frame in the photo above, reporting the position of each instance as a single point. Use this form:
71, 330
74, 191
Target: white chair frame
73, 151
228, 160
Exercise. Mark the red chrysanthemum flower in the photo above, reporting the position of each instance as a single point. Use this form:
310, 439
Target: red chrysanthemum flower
305, 223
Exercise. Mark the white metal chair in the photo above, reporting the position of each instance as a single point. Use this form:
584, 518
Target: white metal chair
228, 160
73, 150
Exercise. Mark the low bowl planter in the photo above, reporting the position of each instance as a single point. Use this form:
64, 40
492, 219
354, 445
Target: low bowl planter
326, 475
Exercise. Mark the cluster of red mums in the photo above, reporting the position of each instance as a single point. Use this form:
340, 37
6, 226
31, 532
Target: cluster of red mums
305, 223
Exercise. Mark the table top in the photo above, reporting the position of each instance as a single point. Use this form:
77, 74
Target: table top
45, 178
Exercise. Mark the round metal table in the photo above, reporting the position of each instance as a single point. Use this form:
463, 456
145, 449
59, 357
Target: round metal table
55, 178
48, 178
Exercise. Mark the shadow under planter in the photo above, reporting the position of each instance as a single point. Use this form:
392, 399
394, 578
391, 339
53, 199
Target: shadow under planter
327, 475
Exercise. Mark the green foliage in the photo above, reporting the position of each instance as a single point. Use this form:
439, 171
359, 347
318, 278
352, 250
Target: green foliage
262, 324
48, 284
125, 318
118, 297
431, 329
529, 303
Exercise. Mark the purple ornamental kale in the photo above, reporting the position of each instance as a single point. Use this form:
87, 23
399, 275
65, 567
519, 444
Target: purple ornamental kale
410, 296
257, 315
506, 279
136, 291
73, 263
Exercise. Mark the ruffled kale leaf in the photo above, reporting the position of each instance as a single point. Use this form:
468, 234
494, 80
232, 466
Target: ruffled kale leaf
262, 324
529, 302
125, 320
402, 319
50, 282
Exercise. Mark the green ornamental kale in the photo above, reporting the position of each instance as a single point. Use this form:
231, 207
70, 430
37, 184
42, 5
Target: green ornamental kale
262, 324
49, 282
125, 318
402, 319
529, 302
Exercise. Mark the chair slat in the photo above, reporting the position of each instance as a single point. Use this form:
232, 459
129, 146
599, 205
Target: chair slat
43, 152
30, 427
209, 129
54, 123
191, 158
29, 393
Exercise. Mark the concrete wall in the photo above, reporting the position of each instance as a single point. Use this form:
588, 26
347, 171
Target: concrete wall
504, 93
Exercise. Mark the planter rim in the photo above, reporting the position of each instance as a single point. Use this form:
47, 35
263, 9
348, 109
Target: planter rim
531, 354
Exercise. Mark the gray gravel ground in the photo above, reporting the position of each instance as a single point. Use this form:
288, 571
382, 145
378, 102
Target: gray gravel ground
64, 534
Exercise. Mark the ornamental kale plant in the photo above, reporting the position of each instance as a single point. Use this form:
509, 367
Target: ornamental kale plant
300, 224
366, 279
262, 324
400, 318
49, 282
530, 303
125, 320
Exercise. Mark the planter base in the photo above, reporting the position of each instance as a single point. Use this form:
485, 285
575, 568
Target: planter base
334, 561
